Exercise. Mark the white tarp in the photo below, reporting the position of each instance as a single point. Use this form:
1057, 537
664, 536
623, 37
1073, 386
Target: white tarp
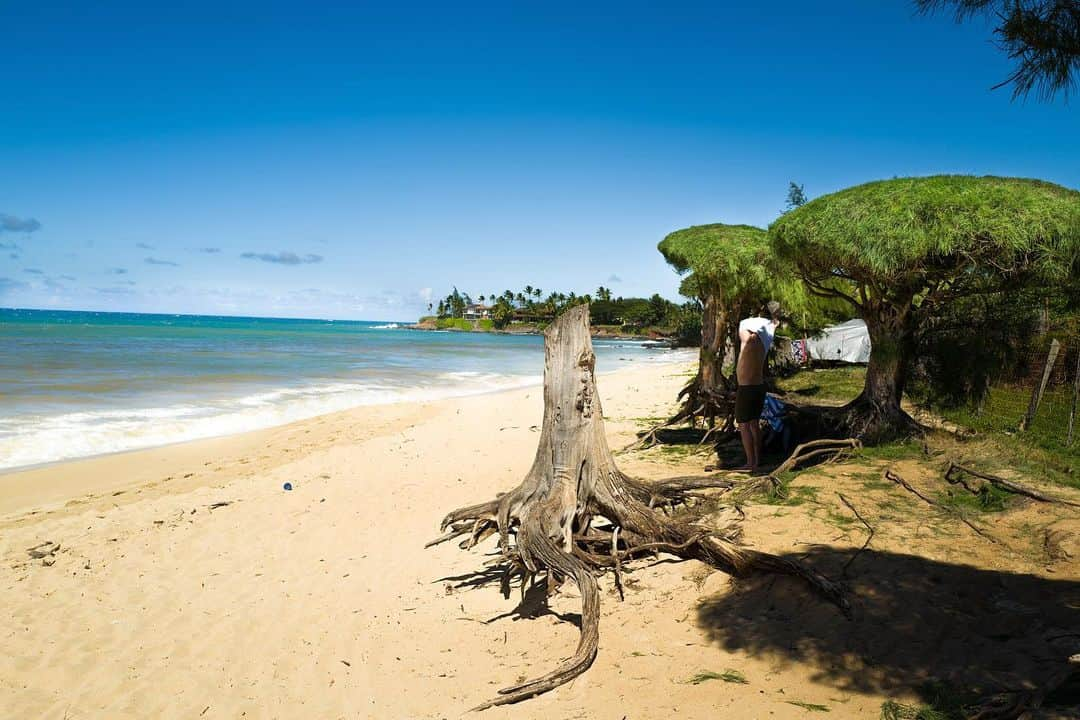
847, 342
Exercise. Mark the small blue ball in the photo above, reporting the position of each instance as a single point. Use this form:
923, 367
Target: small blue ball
287, 486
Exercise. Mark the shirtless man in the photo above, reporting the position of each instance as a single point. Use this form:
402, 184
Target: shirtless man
755, 340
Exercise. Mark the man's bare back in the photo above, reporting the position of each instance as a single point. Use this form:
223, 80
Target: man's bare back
751, 367
755, 338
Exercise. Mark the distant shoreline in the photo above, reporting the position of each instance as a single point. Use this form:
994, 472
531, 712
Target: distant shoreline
530, 329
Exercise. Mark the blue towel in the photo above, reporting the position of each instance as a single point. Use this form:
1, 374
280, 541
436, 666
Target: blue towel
773, 413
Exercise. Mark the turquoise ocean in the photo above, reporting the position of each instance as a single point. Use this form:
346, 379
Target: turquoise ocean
75, 384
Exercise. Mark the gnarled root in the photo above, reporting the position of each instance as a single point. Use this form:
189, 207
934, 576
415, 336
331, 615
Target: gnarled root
554, 521
636, 529
699, 405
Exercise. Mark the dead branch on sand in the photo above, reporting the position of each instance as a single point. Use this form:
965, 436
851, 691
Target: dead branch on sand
869, 537
953, 475
890, 475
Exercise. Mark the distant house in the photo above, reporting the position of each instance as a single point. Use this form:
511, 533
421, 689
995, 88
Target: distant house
475, 311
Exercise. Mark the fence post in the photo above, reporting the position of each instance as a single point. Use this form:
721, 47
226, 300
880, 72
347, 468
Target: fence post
1037, 393
1076, 392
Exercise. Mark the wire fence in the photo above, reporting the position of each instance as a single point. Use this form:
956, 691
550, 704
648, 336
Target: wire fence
1038, 397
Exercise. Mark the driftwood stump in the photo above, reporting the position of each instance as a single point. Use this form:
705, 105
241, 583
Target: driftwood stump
575, 513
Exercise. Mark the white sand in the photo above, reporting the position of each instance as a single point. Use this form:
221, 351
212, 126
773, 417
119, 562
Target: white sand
322, 602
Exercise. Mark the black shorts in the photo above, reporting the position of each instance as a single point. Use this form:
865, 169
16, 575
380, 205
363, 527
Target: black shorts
749, 402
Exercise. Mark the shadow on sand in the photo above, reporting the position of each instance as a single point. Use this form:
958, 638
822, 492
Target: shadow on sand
918, 624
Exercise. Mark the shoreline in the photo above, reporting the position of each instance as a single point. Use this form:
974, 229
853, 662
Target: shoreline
45, 487
331, 605
32, 451
185, 581
651, 336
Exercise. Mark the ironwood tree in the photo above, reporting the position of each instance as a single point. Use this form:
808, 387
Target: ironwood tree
727, 270
732, 271
1041, 36
899, 251
576, 514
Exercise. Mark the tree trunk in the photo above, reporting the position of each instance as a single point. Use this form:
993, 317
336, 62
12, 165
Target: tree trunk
551, 523
713, 339
706, 396
876, 413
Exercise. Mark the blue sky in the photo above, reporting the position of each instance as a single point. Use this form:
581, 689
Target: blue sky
349, 160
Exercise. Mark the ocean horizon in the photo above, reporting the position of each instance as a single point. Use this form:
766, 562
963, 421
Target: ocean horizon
83, 383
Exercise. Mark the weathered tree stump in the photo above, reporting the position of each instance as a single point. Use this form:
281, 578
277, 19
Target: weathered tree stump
553, 522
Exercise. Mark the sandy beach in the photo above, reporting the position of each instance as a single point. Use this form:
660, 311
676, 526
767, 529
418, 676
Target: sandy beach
189, 584
319, 602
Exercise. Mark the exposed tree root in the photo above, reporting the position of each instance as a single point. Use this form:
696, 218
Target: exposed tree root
702, 405
890, 475
576, 514
955, 472
1020, 703
813, 450
817, 448
869, 421
869, 536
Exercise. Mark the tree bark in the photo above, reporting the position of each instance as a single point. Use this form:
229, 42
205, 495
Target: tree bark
713, 338
705, 397
876, 414
550, 522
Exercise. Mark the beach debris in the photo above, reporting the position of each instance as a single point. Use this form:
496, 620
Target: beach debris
287, 486
869, 536
893, 477
219, 504
576, 515
955, 472
831, 450
43, 550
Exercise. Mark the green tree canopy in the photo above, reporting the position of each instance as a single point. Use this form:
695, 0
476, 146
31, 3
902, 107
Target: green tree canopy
1041, 36
900, 251
732, 270
942, 233
732, 258
738, 263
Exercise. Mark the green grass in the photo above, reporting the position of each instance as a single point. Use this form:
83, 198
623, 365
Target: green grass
892, 710
729, 676
829, 385
485, 324
453, 324
1001, 414
989, 499
946, 703
789, 495
899, 450
811, 707
838, 520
